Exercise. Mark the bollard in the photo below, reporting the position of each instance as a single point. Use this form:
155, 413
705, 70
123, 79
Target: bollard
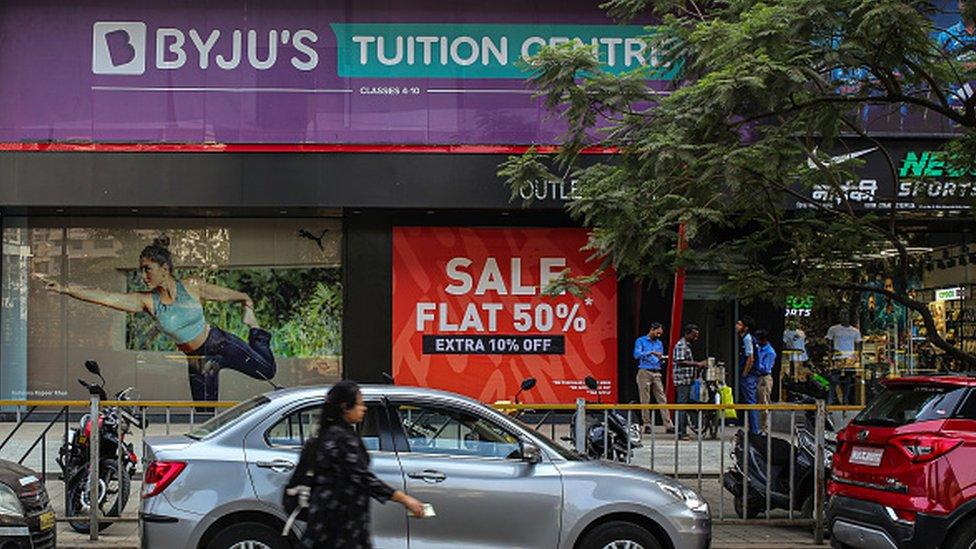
580, 426
818, 471
93, 483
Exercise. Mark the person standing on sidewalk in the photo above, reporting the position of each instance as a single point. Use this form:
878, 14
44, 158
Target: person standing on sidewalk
748, 378
685, 370
765, 360
649, 352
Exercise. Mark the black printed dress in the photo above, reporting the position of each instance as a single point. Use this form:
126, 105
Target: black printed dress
338, 509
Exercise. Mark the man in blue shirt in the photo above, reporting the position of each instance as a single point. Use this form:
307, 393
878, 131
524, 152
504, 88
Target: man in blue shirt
649, 352
748, 380
765, 361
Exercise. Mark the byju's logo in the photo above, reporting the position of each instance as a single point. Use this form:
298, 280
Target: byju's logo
118, 47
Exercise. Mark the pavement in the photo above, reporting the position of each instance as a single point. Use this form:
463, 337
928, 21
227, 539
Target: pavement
698, 465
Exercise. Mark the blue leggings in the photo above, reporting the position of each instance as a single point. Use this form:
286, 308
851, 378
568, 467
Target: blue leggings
224, 350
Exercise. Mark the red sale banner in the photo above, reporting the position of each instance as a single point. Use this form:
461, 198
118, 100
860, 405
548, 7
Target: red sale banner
469, 314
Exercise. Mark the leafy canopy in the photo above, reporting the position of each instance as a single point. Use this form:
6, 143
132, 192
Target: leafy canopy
766, 89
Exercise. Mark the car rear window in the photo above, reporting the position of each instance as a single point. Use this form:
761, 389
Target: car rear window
227, 417
904, 404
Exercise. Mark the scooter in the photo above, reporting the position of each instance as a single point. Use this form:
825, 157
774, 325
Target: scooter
502, 405
809, 392
610, 440
117, 459
803, 466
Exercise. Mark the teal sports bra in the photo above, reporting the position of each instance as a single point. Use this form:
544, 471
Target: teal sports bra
182, 319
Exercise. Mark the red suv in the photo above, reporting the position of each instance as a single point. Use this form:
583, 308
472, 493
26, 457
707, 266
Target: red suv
904, 473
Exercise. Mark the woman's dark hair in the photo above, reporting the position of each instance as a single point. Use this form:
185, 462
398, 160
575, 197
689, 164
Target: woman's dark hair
158, 252
340, 399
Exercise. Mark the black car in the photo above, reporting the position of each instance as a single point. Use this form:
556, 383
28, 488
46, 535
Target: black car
26, 517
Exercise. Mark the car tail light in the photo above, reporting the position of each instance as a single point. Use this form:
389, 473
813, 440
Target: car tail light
159, 475
919, 448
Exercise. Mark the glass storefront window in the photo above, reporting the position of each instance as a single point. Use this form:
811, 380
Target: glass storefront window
248, 303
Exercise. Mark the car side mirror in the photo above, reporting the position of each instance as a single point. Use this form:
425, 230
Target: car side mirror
531, 453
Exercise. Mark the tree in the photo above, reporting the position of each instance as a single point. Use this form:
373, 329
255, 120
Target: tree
766, 89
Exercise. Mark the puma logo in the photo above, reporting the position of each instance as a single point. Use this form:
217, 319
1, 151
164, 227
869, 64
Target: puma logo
317, 239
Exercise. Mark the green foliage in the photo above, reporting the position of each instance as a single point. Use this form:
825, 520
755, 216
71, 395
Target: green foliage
765, 87
302, 308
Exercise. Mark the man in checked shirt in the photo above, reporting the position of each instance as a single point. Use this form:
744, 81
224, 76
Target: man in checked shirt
685, 370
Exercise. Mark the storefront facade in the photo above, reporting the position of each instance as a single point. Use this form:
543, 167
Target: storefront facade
337, 165
906, 175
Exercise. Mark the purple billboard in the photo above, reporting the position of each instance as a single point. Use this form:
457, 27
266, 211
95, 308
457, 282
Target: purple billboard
293, 71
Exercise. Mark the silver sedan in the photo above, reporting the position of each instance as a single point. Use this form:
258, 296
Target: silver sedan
492, 481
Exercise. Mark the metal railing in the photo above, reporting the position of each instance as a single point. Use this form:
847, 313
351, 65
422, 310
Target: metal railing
156, 412
700, 466
699, 462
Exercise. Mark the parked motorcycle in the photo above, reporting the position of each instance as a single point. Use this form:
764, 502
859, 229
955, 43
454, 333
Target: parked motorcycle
610, 441
117, 460
804, 463
503, 405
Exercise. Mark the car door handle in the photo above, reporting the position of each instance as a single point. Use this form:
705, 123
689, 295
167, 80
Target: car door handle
428, 475
278, 465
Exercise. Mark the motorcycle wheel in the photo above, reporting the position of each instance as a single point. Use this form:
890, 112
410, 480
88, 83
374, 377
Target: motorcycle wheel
113, 494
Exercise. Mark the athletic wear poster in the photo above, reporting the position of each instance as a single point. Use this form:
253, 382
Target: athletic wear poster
469, 314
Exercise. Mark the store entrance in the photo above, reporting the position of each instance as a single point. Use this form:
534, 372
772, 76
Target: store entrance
714, 318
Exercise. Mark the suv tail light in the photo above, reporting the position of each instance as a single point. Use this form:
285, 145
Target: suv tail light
159, 475
919, 448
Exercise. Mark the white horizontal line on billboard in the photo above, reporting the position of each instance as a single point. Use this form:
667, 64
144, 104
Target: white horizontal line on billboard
217, 90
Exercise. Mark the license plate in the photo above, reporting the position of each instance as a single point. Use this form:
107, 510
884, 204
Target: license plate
47, 520
866, 456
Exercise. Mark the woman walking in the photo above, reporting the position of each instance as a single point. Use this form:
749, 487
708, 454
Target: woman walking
341, 482
176, 306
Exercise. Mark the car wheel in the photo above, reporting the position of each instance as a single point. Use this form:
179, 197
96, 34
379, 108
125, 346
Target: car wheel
962, 536
619, 535
248, 535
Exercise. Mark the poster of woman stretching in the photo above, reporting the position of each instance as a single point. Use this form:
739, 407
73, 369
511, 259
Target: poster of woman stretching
176, 307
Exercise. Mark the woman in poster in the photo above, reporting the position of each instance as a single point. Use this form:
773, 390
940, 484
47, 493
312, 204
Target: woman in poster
176, 306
